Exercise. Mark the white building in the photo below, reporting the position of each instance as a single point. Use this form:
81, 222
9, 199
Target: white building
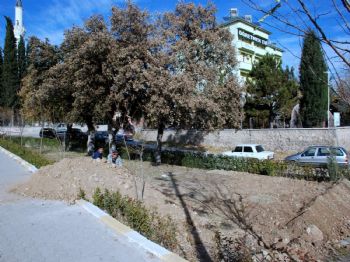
251, 42
18, 27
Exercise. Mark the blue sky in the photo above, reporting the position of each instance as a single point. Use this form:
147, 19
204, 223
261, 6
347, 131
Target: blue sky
49, 18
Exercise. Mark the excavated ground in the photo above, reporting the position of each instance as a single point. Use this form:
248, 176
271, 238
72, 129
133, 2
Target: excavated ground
279, 218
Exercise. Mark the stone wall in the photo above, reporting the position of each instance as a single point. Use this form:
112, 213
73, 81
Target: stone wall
288, 139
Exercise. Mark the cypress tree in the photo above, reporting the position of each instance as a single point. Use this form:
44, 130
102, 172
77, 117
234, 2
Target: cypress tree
313, 82
22, 64
1, 89
10, 81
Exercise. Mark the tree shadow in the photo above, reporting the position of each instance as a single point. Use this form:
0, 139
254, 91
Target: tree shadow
202, 253
190, 137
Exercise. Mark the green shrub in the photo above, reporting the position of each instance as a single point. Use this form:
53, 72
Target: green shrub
81, 194
133, 213
202, 160
30, 156
333, 169
97, 198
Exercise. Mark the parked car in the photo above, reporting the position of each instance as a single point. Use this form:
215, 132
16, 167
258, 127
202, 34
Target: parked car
60, 127
76, 134
250, 151
320, 155
47, 132
101, 137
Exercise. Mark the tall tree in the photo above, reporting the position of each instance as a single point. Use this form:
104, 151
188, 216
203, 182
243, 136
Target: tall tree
22, 63
88, 63
42, 56
134, 61
1, 86
313, 82
199, 90
271, 89
10, 79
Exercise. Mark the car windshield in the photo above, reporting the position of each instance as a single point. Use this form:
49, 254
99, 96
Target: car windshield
310, 152
259, 149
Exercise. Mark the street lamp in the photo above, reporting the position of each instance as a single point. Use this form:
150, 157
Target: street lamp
328, 98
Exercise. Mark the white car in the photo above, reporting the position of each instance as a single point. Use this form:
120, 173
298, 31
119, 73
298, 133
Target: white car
250, 151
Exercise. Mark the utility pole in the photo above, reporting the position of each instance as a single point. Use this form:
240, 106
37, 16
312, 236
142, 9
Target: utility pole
328, 98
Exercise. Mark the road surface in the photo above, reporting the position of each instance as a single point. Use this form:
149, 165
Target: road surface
38, 230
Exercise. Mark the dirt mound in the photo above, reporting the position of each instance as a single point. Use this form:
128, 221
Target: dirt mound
280, 216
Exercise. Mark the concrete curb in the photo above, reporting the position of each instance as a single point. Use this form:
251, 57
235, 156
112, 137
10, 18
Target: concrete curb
131, 235
21, 161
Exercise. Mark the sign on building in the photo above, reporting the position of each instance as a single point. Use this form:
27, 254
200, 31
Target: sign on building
254, 38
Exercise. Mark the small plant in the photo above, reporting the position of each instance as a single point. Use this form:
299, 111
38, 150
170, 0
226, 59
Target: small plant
97, 198
333, 169
81, 194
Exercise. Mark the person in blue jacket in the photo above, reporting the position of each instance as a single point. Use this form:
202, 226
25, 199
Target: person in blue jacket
98, 154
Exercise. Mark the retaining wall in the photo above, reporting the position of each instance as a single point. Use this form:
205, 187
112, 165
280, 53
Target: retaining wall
281, 139
295, 139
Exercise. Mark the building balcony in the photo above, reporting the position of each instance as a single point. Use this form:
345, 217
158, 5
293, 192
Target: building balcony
246, 46
245, 66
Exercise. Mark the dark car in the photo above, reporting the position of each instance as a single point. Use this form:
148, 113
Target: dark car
101, 137
75, 134
47, 132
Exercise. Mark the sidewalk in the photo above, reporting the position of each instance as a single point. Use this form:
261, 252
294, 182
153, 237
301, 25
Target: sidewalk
38, 230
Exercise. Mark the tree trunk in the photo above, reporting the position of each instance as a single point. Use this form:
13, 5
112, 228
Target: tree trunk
271, 118
21, 130
68, 137
42, 136
160, 133
91, 138
112, 145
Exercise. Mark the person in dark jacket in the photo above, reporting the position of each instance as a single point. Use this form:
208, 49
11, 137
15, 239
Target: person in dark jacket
97, 155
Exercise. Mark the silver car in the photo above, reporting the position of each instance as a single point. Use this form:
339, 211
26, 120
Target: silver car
320, 155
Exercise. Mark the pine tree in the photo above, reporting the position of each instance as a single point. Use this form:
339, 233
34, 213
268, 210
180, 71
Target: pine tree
10, 80
313, 82
273, 91
22, 64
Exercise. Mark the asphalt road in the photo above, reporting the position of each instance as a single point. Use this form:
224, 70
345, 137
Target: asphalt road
38, 230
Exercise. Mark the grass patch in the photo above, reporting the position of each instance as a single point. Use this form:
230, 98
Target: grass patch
30, 156
34, 143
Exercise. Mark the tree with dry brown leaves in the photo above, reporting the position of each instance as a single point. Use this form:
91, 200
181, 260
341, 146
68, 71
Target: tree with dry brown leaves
176, 71
196, 87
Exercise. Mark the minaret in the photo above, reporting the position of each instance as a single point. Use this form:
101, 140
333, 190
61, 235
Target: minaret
19, 28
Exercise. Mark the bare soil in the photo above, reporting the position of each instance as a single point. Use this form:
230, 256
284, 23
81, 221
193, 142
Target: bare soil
279, 218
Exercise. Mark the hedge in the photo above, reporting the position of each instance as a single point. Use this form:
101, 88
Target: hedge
201, 160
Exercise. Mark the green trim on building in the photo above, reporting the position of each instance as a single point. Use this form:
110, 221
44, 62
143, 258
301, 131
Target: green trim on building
245, 50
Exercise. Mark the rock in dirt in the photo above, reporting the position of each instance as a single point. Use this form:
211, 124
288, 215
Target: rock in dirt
314, 233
